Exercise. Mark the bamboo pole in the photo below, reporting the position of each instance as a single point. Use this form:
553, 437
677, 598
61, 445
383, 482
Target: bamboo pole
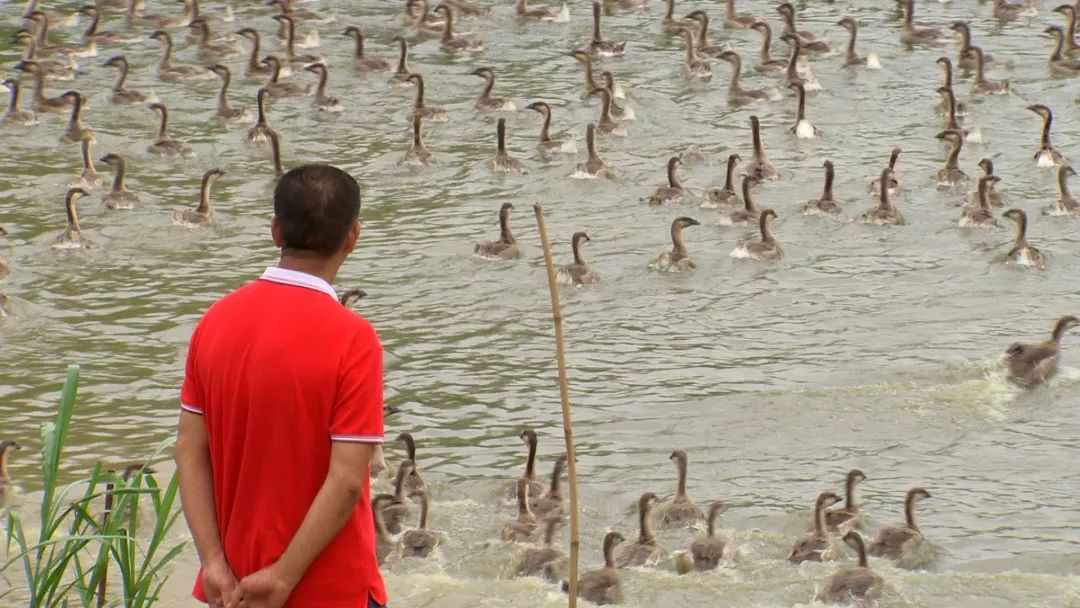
104, 580
564, 396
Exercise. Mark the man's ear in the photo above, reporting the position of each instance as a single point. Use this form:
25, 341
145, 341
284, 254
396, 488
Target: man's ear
351, 237
275, 232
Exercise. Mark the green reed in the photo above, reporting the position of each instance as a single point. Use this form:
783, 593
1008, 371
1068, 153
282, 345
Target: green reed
74, 550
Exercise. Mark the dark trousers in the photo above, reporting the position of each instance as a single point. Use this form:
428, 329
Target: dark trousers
371, 604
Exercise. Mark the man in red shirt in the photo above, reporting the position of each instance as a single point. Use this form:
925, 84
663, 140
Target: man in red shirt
281, 411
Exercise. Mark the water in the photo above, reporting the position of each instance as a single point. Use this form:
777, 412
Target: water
864, 347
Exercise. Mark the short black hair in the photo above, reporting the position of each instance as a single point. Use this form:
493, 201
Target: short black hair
315, 206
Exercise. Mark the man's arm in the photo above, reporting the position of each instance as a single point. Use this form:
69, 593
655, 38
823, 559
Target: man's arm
197, 495
332, 507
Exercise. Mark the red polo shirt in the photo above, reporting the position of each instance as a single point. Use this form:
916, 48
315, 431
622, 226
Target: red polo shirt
279, 369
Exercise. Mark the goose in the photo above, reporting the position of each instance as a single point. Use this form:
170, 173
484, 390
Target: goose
75, 130
704, 46
275, 155
72, 237
683, 510
759, 167
909, 34
521, 528
617, 111
725, 196
884, 213
361, 62
468, 9
860, 585
802, 128
586, 63
670, 24
645, 551
1069, 12
262, 131
286, 7
224, 111
45, 48
965, 59
159, 21
894, 183
119, 197
528, 437
15, 115
766, 248
810, 43
348, 299
549, 504
546, 560
163, 144
394, 513
169, 72
208, 48
88, 178
486, 101
674, 191
419, 541
539, 14
201, 214
818, 545
983, 215
733, 20
795, 71
896, 542
765, 63
451, 43
602, 586
696, 67
414, 482
1022, 252
64, 69
678, 259
418, 155
851, 58
982, 85
291, 55
255, 66
994, 196
385, 545
419, 107
1005, 11
848, 517
1058, 64
279, 88
946, 106
749, 212
709, 550
1031, 363
121, 95
825, 205
973, 135
599, 46
594, 167
607, 122
1047, 156
547, 144
7, 447
505, 248
951, 175
1066, 203
577, 272
42, 103
503, 161
323, 101
417, 15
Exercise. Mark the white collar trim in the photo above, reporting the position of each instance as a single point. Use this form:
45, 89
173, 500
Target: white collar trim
298, 279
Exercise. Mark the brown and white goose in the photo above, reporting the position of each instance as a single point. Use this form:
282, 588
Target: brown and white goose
897, 542
505, 248
683, 510
818, 545
678, 259
1022, 252
1031, 363
644, 551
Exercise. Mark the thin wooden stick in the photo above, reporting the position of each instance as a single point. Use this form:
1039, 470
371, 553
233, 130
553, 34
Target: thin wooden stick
104, 581
564, 395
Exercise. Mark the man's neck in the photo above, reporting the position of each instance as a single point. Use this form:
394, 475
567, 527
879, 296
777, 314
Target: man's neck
324, 268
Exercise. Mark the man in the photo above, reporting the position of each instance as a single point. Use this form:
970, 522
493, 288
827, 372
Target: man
281, 411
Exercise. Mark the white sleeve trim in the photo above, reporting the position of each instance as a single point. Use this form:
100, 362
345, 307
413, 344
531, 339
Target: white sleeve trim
357, 438
191, 408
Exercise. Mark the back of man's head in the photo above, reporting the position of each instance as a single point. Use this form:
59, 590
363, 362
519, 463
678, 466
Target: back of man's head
315, 206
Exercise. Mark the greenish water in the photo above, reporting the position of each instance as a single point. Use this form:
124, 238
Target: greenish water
864, 347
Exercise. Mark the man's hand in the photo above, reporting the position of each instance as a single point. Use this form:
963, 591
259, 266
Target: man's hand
218, 583
267, 588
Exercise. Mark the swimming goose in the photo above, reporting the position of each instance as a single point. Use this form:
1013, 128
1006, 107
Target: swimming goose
486, 101
715, 197
119, 197
602, 586
645, 551
201, 214
674, 191
55, 19
617, 111
909, 34
418, 155
42, 103
586, 63
578, 271
159, 21
72, 237
547, 144
607, 122
549, 504
537, 14
859, 586
291, 56
45, 48
1031, 363
749, 212
413, 482
765, 62
546, 560
695, 66
468, 9
503, 161
1069, 11
417, 15
15, 115
451, 43
209, 48
825, 205
802, 128
419, 541
966, 60
505, 248
275, 155
88, 178
65, 68
704, 46
298, 14
894, 183
121, 95
948, 97
254, 66
765, 249
981, 216
709, 550
982, 85
682, 511
1066, 203
944, 106
848, 517
795, 71
599, 46
279, 88
594, 166
896, 542
1058, 64
7, 447
678, 259
180, 72
670, 24
818, 545
322, 101
951, 175
394, 513
348, 299
419, 107
994, 196
528, 437
810, 43
884, 213
735, 21
1047, 156
361, 62
851, 58
75, 130
1022, 252
262, 130
163, 144
224, 111
1008, 11
521, 528
760, 167
385, 545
